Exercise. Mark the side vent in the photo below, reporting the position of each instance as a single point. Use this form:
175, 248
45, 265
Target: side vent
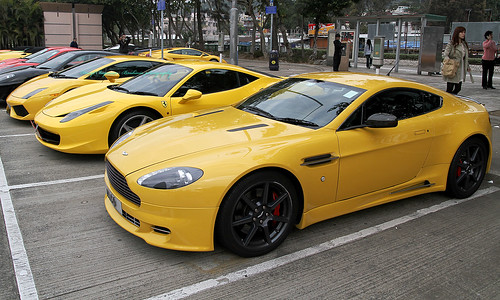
318, 159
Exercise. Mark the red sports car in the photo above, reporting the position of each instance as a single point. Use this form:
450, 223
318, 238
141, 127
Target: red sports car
33, 60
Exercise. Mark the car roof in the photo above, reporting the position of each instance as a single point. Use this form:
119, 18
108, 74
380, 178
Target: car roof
360, 80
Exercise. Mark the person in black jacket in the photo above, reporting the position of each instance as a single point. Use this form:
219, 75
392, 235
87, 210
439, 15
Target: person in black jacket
124, 40
74, 44
338, 52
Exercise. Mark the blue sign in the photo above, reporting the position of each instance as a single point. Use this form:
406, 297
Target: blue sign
271, 10
161, 5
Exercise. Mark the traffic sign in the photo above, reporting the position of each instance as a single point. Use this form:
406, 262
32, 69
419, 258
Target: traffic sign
271, 10
161, 5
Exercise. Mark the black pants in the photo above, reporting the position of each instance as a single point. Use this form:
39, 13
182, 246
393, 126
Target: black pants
453, 88
488, 68
336, 62
368, 61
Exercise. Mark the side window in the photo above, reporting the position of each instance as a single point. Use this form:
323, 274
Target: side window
246, 78
125, 69
176, 51
210, 81
403, 103
192, 52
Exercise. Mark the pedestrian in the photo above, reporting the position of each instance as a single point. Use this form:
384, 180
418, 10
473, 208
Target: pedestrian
488, 60
74, 44
338, 52
457, 49
124, 40
368, 53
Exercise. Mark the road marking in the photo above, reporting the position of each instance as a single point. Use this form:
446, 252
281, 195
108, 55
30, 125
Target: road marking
44, 183
281, 261
24, 277
16, 135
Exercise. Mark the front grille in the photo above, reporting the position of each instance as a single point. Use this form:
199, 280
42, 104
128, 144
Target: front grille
131, 219
48, 137
119, 183
20, 110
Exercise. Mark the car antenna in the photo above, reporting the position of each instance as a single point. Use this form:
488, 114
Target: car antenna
389, 74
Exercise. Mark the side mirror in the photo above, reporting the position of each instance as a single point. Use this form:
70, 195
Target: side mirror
190, 95
382, 120
111, 76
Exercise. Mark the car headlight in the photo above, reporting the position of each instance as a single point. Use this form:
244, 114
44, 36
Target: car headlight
7, 76
122, 138
170, 178
30, 94
82, 111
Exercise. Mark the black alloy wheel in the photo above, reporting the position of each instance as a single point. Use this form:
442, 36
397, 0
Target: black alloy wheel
467, 168
257, 214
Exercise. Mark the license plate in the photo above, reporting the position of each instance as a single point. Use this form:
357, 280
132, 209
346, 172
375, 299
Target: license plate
116, 203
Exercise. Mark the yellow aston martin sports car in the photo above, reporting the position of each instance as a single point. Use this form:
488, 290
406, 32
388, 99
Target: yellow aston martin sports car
182, 53
29, 98
306, 149
90, 119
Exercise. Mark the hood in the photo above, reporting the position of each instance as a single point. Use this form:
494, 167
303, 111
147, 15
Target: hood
21, 73
187, 134
12, 68
43, 82
79, 98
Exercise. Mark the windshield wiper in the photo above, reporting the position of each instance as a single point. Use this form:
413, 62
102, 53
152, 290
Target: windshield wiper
117, 87
143, 93
258, 111
297, 122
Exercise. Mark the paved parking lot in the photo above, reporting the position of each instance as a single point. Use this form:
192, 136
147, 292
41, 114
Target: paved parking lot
61, 243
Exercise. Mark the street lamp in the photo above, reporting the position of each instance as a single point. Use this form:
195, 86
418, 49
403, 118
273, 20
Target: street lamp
468, 10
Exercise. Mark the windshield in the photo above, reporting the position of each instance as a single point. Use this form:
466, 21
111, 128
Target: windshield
158, 81
42, 57
83, 69
56, 62
306, 102
36, 53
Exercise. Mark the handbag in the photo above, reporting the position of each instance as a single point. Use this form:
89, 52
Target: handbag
450, 67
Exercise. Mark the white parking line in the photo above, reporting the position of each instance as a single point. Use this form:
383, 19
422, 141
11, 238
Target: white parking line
24, 277
44, 183
280, 261
16, 135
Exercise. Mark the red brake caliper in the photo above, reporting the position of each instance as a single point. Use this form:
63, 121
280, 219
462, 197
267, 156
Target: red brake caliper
459, 169
276, 211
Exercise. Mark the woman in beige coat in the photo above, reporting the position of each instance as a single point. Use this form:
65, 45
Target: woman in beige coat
457, 49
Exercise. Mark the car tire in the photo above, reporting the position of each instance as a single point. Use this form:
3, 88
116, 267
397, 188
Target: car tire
467, 168
129, 121
257, 214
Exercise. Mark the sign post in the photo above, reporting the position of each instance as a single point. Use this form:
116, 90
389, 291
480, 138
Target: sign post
161, 7
271, 10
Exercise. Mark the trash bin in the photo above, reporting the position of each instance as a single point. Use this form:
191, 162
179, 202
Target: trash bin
274, 64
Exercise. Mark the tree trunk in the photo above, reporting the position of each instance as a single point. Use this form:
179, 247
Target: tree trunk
201, 43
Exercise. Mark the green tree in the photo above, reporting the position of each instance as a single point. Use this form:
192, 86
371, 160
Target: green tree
21, 23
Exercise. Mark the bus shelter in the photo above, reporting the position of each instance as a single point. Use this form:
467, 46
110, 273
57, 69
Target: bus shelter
431, 36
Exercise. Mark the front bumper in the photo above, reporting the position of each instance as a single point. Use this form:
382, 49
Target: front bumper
76, 136
26, 109
185, 229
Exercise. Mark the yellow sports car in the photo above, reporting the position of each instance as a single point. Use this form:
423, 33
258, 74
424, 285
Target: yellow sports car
306, 149
29, 98
182, 53
90, 119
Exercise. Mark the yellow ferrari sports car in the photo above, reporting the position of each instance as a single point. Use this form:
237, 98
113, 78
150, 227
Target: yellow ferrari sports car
29, 98
182, 53
90, 119
306, 149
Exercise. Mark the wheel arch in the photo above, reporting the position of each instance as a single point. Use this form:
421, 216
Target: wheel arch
126, 111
